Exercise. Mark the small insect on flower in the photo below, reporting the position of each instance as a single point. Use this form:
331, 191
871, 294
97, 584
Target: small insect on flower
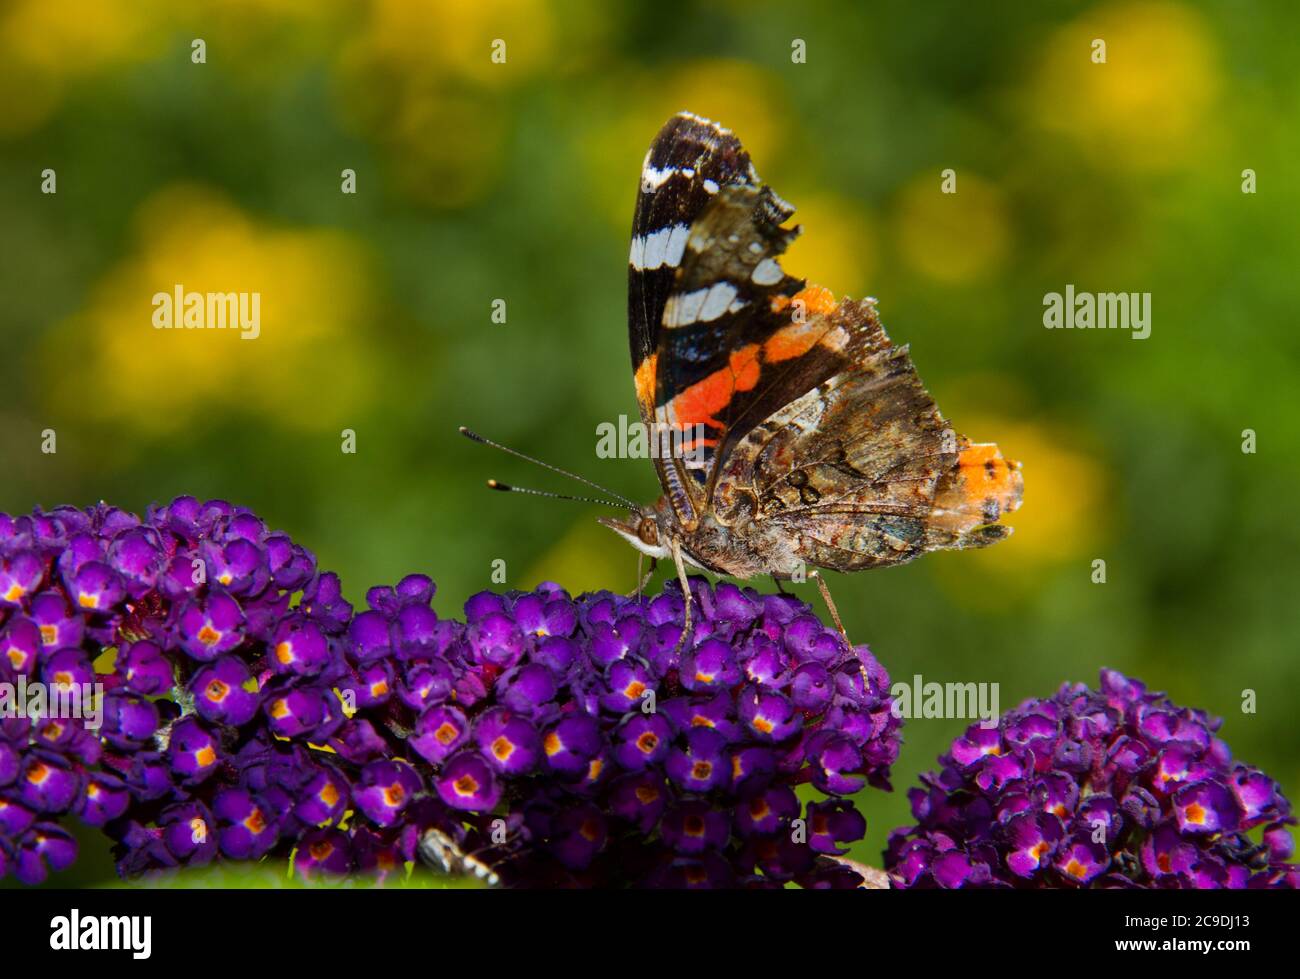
442, 853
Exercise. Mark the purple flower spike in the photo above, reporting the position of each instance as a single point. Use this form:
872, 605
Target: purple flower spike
558, 740
1113, 788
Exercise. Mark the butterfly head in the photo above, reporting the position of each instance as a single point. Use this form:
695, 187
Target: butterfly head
649, 529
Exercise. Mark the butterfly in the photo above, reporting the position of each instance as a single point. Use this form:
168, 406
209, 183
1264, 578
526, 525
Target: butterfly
791, 432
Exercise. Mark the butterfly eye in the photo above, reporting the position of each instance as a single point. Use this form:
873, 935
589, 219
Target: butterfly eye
648, 532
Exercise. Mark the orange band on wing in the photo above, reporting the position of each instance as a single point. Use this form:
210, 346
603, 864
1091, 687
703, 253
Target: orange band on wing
792, 341
702, 400
816, 300
645, 380
985, 475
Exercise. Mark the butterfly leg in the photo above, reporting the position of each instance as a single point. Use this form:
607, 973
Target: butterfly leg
642, 581
686, 594
777, 581
835, 615
830, 604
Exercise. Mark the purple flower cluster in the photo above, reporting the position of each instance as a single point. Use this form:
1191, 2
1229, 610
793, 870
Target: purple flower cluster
629, 760
1116, 787
246, 712
170, 618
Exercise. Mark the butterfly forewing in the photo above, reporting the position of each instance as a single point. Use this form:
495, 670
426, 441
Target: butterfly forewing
688, 162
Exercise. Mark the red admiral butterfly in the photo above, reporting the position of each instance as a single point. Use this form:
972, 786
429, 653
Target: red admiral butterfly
792, 431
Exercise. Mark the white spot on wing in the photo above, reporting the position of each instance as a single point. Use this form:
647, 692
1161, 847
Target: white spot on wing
676, 245
701, 306
652, 179
716, 302
655, 243
658, 248
766, 272
683, 309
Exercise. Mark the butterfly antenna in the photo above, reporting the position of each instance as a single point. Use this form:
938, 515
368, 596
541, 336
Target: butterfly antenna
507, 488
622, 500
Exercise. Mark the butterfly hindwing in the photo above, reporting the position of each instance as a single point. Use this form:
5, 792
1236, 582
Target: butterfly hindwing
860, 471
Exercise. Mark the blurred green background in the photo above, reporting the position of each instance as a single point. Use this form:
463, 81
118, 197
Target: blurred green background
479, 181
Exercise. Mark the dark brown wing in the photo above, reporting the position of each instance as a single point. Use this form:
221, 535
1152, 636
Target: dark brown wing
864, 471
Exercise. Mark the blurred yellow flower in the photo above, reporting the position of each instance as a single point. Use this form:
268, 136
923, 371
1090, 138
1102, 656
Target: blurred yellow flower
47, 45
456, 38
1063, 517
1065, 488
837, 248
1150, 103
418, 81
268, 10
309, 367
952, 238
44, 46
